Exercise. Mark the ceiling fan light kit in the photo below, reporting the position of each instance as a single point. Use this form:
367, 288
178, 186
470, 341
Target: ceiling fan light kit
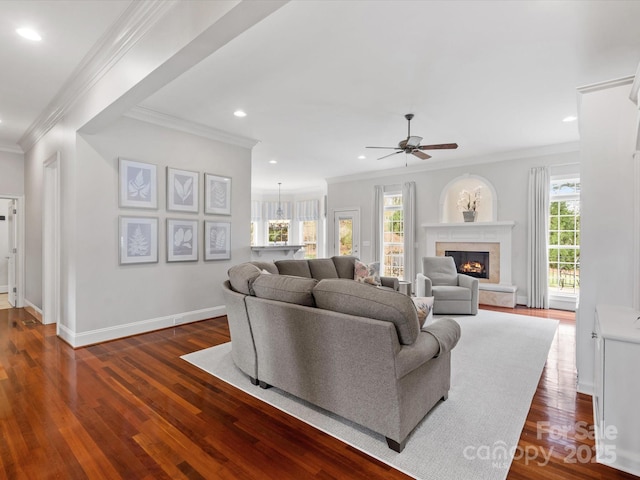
411, 145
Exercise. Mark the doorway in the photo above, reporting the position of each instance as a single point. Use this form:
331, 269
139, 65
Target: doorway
347, 232
11, 251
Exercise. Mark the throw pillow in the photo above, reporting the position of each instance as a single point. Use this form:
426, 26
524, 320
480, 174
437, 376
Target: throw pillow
423, 305
364, 273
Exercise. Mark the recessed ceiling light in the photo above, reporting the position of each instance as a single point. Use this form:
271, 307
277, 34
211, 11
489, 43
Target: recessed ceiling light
361, 157
29, 34
570, 118
239, 113
273, 162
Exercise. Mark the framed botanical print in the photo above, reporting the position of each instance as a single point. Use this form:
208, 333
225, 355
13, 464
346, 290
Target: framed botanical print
217, 192
182, 240
138, 240
182, 190
138, 184
217, 240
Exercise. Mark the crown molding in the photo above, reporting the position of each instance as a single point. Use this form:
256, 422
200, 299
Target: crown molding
126, 31
511, 155
635, 89
10, 148
154, 117
617, 82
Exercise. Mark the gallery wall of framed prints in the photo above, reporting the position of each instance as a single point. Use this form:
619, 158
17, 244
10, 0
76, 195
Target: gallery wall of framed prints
139, 235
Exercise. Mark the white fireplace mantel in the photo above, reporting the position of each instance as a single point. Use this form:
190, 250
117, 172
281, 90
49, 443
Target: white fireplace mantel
472, 232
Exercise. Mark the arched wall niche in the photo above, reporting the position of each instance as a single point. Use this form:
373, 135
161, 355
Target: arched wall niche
487, 206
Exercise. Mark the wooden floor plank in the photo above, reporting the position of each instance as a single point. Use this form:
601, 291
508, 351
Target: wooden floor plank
131, 408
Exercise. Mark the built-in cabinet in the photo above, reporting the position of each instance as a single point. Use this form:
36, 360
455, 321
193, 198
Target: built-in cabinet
616, 409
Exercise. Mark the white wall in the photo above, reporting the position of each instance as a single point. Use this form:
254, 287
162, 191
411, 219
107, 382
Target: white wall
148, 58
608, 129
121, 298
510, 179
11, 173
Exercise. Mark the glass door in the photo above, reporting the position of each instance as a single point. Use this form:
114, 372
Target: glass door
347, 232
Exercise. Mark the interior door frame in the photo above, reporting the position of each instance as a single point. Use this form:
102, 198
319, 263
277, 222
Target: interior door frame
357, 241
51, 304
20, 246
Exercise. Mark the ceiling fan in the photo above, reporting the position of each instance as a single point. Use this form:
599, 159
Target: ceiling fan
412, 144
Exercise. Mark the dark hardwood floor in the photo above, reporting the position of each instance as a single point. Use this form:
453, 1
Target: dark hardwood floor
132, 409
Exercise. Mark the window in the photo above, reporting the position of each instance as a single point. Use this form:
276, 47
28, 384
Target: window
393, 236
564, 237
278, 232
309, 231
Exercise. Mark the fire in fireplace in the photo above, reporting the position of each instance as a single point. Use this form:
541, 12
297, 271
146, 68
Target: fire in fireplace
474, 264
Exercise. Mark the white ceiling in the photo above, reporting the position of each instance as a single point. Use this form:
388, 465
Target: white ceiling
320, 80
32, 73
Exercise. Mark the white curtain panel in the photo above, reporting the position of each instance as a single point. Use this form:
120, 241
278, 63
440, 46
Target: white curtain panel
308, 210
538, 234
272, 209
409, 206
256, 211
378, 207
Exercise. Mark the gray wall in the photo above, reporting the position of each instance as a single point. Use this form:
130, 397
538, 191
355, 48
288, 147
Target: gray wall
109, 294
510, 179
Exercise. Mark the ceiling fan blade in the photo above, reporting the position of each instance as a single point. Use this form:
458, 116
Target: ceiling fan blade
420, 154
394, 153
387, 148
442, 146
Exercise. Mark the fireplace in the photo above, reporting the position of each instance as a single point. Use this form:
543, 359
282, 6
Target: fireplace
472, 263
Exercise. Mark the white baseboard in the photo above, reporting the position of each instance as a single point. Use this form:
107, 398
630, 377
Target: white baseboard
100, 335
4, 288
521, 300
585, 387
27, 303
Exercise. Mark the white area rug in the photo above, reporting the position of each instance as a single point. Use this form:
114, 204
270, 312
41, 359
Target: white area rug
496, 367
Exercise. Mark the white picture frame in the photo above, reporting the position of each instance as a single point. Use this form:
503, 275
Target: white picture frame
138, 184
182, 240
217, 194
138, 240
217, 240
183, 190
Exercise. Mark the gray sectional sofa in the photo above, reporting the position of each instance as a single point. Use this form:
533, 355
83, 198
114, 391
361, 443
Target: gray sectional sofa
354, 349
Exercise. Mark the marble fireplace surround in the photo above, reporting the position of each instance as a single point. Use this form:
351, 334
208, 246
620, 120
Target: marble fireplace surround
494, 237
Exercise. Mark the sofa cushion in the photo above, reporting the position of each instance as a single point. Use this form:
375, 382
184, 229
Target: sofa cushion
444, 292
353, 298
344, 265
269, 267
242, 276
364, 273
296, 268
284, 288
441, 270
322, 268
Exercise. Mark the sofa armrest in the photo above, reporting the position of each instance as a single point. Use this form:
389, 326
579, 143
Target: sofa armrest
447, 333
412, 356
472, 284
391, 282
423, 286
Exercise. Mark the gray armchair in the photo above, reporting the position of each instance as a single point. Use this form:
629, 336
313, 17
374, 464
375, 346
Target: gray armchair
452, 292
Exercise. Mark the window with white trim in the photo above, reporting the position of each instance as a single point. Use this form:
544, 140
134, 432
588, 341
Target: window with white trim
564, 237
392, 236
